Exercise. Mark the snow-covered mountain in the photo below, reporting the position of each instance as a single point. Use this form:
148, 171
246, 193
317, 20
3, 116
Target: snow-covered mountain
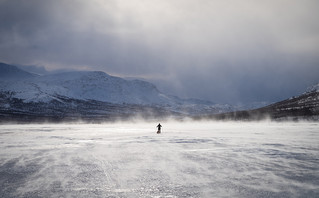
94, 86
85, 86
313, 88
304, 107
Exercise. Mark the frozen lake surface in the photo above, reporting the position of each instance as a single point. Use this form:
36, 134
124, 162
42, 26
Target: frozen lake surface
189, 159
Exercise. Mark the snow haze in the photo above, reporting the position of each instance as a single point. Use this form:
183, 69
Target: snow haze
189, 159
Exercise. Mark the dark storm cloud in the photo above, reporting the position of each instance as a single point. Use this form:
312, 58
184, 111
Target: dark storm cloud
225, 51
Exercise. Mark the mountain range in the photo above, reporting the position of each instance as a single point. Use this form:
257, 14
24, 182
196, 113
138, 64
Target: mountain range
96, 96
89, 95
301, 107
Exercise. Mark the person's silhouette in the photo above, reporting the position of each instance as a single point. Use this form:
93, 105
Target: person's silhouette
159, 126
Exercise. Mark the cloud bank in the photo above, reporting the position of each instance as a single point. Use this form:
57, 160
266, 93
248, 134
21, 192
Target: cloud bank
224, 51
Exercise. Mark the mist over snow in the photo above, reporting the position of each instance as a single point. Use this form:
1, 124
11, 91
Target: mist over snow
75, 56
189, 159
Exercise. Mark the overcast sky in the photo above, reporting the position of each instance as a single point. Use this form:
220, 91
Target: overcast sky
226, 51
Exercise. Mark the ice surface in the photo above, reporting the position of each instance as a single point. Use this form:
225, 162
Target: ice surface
189, 159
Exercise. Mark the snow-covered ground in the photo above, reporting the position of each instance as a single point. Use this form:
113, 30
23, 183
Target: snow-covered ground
189, 159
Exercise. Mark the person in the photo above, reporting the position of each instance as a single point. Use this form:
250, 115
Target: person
159, 126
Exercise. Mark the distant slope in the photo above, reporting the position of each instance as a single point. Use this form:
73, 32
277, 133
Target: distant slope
305, 106
63, 109
9, 72
76, 94
85, 86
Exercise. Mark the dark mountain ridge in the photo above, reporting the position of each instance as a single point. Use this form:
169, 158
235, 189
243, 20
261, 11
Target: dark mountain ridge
302, 107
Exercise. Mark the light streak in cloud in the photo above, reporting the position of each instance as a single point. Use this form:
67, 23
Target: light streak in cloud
229, 46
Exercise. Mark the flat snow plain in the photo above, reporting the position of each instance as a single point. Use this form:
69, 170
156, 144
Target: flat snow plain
189, 159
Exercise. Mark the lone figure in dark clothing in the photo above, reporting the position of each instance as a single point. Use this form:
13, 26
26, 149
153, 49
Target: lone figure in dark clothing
159, 126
